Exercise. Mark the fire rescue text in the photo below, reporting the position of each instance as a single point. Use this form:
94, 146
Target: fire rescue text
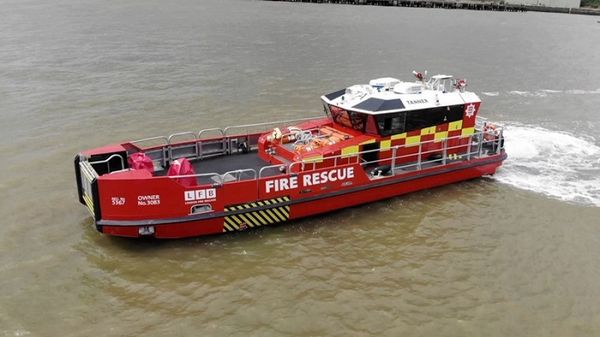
288, 183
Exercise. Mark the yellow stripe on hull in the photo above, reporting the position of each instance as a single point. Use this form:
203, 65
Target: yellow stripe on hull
255, 218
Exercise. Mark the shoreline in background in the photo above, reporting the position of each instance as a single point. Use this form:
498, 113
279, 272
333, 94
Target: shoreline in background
459, 4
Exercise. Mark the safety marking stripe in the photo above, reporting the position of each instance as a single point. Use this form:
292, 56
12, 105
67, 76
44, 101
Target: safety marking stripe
274, 210
438, 135
314, 159
264, 213
399, 136
227, 227
88, 175
247, 217
413, 140
89, 203
285, 213
468, 131
235, 222
246, 221
285, 209
428, 131
453, 126
256, 215
349, 151
441, 135
385, 145
256, 218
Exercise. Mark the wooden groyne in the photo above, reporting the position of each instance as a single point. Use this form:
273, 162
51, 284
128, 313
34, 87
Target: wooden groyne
452, 4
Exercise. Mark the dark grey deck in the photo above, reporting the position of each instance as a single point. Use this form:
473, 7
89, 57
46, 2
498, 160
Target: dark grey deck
228, 163
232, 162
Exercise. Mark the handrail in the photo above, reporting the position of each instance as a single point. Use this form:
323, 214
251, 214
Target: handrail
268, 123
166, 139
419, 154
381, 150
86, 168
107, 161
211, 129
476, 138
264, 168
223, 132
238, 173
180, 134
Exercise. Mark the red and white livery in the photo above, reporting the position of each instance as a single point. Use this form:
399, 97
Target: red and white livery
377, 140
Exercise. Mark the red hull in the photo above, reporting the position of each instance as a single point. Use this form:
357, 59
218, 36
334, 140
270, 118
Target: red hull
299, 206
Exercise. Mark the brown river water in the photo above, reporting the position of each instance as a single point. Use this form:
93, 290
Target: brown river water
517, 254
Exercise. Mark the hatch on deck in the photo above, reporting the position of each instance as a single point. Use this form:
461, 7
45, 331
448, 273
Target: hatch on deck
408, 88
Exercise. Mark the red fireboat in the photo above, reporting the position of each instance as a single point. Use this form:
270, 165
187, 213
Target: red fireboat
377, 141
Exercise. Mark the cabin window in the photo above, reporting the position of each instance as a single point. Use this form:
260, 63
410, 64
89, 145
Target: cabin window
455, 113
390, 124
420, 119
326, 109
349, 119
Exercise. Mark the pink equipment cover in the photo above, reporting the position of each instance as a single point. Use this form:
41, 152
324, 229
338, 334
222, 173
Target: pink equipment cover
140, 161
182, 167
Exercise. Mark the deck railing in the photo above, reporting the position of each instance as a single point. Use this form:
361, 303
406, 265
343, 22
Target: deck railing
198, 145
476, 145
227, 131
423, 156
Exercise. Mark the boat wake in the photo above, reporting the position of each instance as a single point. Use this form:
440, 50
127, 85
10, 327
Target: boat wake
552, 163
542, 92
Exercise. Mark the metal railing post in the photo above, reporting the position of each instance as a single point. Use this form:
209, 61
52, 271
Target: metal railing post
419, 158
445, 152
393, 160
500, 136
469, 148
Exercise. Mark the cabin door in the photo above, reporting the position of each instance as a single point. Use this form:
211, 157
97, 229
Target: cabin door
370, 157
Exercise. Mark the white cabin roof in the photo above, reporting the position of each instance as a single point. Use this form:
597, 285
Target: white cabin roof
385, 95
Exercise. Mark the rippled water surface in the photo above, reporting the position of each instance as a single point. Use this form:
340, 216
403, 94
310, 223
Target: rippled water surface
511, 255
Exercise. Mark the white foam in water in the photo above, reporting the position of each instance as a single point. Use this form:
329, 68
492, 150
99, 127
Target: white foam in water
520, 93
492, 93
543, 92
556, 164
550, 91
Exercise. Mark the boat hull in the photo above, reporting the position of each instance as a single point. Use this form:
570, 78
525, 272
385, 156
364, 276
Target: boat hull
281, 209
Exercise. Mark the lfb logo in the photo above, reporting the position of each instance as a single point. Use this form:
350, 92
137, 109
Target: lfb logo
209, 193
470, 110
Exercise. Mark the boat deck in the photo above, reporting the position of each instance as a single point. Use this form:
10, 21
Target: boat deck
226, 163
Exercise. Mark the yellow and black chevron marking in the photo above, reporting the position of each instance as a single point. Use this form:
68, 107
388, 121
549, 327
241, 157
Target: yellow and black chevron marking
260, 213
89, 203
